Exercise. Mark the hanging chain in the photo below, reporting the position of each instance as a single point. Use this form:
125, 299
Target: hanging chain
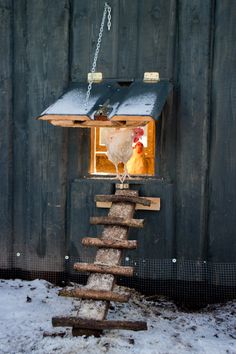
107, 10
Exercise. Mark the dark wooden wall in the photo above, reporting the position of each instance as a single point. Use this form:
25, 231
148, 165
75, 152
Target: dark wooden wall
46, 44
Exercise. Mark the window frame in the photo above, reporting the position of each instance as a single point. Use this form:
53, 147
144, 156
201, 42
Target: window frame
97, 149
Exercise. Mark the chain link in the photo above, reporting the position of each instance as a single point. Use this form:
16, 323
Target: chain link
108, 17
107, 10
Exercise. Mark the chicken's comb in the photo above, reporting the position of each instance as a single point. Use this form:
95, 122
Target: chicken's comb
139, 131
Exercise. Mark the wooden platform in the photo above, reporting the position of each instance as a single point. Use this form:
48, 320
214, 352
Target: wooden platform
78, 121
151, 204
123, 199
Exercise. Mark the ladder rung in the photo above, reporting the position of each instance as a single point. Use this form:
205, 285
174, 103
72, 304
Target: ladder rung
95, 294
117, 244
98, 324
105, 269
122, 198
112, 220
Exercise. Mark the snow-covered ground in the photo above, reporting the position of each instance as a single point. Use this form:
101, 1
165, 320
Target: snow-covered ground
26, 308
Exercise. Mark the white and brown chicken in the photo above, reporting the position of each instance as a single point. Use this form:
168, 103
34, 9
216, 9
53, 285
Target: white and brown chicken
119, 143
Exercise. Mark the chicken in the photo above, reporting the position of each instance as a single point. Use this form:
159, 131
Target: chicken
138, 163
119, 146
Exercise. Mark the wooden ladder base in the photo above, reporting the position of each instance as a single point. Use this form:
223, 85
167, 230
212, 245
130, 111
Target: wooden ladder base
91, 324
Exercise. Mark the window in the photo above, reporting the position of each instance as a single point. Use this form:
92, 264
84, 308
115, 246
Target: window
99, 163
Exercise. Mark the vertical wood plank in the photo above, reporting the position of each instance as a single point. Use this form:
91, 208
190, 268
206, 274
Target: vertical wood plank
86, 20
127, 39
222, 192
6, 133
81, 51
156, 240
44, 172
81, 207
108, 57
192, 127
156, 37
20, 143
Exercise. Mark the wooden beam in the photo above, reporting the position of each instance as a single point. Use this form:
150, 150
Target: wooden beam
155, 205
104, 269
62, 123
122, 199
115, 220
95, 294
103, 243
75, 123
77, 322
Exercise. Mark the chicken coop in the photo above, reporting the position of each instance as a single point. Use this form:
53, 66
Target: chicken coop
51, 173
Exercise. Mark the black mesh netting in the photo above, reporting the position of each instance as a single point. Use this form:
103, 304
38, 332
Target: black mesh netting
186, 281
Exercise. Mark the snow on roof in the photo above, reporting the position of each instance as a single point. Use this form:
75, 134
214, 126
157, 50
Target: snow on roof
137, 99
72, 102
140, 103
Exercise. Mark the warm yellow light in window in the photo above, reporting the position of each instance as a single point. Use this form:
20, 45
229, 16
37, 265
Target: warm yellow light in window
141, 163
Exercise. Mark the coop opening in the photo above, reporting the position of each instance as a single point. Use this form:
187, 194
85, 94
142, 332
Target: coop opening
142, 159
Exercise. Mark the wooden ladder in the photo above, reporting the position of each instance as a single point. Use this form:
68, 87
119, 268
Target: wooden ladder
99, 290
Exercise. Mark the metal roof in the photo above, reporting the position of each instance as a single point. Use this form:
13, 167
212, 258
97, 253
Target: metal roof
136, 100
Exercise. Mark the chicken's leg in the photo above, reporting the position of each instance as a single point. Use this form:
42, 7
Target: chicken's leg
125, 174
120, 177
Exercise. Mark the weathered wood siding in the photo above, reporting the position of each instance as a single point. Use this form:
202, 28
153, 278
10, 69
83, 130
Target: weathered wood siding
222, 161
41, 69
195, 20
46, 44
6, 93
